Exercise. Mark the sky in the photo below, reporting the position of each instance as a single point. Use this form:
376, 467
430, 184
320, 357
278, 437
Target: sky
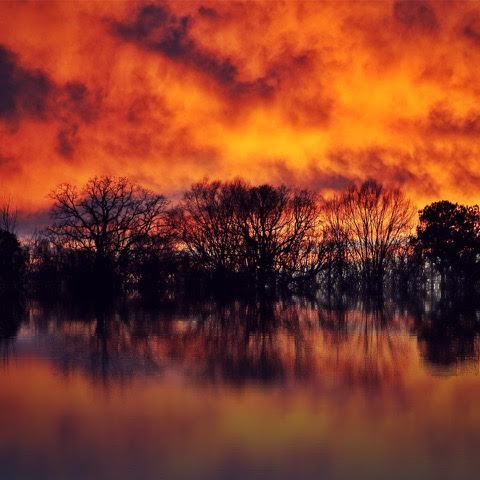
310, 94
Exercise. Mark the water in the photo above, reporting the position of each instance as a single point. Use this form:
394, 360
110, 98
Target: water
236, 390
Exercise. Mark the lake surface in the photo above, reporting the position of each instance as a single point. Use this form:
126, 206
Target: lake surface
240, 390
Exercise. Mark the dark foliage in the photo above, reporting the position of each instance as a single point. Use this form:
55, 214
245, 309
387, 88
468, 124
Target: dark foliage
12, 263
103, 229
260, 236
448, 235
112, 236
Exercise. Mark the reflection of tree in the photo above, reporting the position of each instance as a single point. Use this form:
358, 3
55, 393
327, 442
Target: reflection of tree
367, 342
448, 334
238, 341
100, 343
261, 341
11, 315
357, 344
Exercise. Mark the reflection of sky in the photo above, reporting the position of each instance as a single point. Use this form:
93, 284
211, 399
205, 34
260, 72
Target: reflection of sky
231, 397
237, 343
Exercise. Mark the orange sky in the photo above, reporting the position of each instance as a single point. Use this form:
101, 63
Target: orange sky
314, 94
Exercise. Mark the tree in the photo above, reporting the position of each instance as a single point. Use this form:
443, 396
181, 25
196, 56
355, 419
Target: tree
373, 223
334, 239
106, 221
257, 234
205, 224
449, 236
44, 265
8, 216
12, 263
278, 228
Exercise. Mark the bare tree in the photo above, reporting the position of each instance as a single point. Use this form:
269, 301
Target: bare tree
108, 219
205, 224
8, 216
373, 222
259, 233
279, 227
334, 241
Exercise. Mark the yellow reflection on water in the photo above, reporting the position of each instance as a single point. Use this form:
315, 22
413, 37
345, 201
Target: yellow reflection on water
306, 396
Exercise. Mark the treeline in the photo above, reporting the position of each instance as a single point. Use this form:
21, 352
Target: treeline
113, 235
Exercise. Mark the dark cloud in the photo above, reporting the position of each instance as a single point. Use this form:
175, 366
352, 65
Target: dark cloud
310, 112
372, 163
144, 106
32, 93
392, 167
156, 29
444, 122
67, 140
9, 167
323, 179
22, 91
471, 26
415, 14
75, 98
313, 177
208, 12
75, 105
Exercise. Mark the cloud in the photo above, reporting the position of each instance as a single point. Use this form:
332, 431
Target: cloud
169, 92
342, 167
67, 140
443, 121
22, 91
313, 177
29, 221
415, 14
32, 93
208, 12
157, 29
391, 165
471, 26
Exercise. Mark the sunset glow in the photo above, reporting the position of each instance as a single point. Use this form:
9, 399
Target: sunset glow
312, 94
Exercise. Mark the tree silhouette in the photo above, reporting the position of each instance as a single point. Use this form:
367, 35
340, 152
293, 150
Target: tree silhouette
44, 266
449, 236
8, 216
12, 263
113, 233
206, 226
258, 234
371, 223
278, 228
105, 222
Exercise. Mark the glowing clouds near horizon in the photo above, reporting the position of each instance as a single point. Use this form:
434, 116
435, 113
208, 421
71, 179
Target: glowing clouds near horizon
313, 94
